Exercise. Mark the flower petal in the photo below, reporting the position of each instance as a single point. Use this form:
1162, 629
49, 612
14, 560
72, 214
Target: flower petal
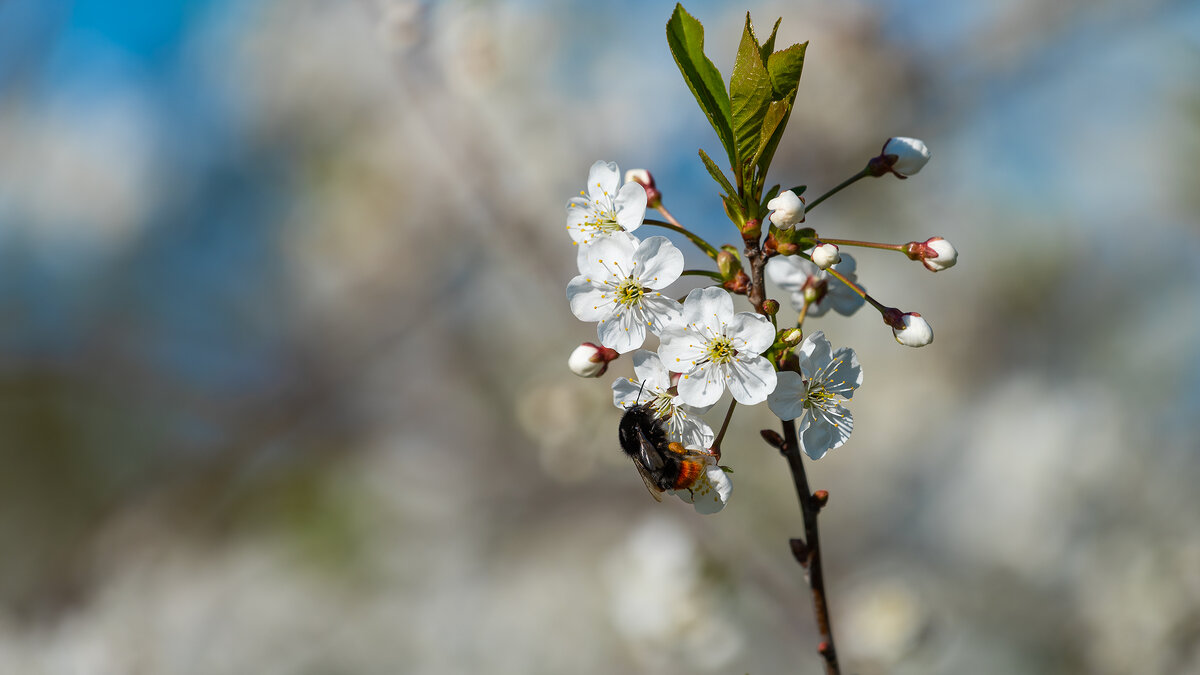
650, 369
680, 349
661, 312
631, 206
787, 401
815, 353
753, 331
622, 332
693, 431
607, 259
603, 180
703, 385
819, 435
791, 272
846, 374
589, 303
707, 310
657, 263
751, 379
815, 437
627, 391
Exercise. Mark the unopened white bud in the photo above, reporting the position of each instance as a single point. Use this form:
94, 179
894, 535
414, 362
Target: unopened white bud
916, 332
589, 360
639, 176
911, 154
826, 256
787, 209
939, 255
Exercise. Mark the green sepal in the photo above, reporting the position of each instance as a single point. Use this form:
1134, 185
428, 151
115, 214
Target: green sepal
762, 205
733, 209
717, 174
685, 37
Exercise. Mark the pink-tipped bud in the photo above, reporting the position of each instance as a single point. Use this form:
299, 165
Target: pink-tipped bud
589, 360
786, 209
643, 178
826, 256
935, 253
901, 157
909, 328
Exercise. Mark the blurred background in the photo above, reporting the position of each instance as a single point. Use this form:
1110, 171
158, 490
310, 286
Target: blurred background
283, 336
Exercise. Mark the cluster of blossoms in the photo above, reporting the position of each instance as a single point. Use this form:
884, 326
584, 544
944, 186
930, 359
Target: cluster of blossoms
704, 346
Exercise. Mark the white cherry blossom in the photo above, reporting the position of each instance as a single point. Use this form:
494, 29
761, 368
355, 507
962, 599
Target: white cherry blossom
801, 278
715, 348
618, 287
816, 398
653, 385
606, 206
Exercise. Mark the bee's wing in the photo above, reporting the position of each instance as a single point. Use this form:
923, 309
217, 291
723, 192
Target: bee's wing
649, 481
648, 460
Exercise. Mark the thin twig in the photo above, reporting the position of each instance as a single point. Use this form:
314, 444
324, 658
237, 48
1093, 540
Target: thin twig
808, 550
844, 184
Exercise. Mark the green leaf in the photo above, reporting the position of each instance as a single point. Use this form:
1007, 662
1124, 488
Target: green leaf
785, 67
749, 95
717, 174
685, 37
776, 115
769, 45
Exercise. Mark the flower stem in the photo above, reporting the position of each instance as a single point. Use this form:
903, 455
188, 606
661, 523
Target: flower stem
724, 426
701, 273
803, 313
808, 550
864, 244
674, 226
856, 288
844, 184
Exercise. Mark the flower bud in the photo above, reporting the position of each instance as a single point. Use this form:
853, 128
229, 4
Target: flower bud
728, 263
901, 157
787, 209
770, 307
790, 336
825, 256
643, 178
911, 154
935, 253
911, 330
589, 360
739, 284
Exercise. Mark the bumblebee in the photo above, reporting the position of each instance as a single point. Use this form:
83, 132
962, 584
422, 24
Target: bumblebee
663, 465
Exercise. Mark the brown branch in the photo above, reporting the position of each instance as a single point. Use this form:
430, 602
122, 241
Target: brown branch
808, 550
